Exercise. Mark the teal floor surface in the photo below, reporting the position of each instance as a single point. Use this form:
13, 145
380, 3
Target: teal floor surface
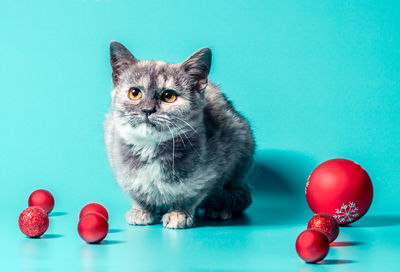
261, 240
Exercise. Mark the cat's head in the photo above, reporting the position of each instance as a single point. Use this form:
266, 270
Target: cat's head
153, 98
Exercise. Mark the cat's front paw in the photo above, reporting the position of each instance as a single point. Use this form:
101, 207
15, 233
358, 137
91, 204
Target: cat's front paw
177, 220
139, 217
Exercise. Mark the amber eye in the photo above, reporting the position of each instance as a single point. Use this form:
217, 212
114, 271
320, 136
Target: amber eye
135, 94
169, 96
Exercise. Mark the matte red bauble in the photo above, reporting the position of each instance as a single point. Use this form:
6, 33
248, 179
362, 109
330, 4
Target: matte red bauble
341, 188
43, 199
93, 227
94, 207
312, 245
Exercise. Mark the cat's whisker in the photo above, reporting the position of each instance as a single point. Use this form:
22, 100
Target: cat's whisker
163, 118
161, 136
190, 142
183, 142
125, 122
173, 151
187, 124
173, 155
179, 134
184, 134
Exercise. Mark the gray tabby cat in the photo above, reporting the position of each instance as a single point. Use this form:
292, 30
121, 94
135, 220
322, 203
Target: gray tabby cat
174, 142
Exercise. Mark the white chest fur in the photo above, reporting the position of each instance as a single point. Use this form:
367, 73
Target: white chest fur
149, 182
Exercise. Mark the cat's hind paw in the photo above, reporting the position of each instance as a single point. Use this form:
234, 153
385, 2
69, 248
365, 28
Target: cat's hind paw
177, 220
222, 203
139, 217
218, 215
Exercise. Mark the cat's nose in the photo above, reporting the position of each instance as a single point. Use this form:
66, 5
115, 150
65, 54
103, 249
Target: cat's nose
149, 111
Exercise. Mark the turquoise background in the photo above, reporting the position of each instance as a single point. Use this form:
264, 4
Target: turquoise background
317, 80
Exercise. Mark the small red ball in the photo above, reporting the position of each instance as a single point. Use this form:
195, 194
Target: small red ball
326, 223
312, 245
43, 199
94, 207
33, 222
341, 188
93, 227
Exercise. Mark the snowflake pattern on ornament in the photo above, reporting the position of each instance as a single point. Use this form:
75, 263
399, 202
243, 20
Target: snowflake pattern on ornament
346, 213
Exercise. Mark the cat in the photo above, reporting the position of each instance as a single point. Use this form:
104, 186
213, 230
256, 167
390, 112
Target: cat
174, 142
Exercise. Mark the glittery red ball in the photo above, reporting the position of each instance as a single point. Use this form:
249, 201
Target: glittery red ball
33, 221
325, 223
43, 199
312, 245
94, 207
93, 227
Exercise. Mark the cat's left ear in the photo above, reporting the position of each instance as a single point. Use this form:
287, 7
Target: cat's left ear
120, 59
198, 66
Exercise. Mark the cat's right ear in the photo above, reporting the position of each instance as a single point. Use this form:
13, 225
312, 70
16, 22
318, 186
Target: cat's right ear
120, 59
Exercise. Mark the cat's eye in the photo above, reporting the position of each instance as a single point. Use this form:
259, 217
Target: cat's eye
168, 96
135, 94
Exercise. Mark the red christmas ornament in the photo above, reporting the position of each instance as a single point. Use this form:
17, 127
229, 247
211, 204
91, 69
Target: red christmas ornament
94, 207
326, 223
93, 227
43, 199
312, 245
340, 188
33, 221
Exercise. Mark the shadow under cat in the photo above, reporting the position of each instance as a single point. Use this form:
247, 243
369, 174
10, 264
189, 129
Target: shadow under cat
279, 179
